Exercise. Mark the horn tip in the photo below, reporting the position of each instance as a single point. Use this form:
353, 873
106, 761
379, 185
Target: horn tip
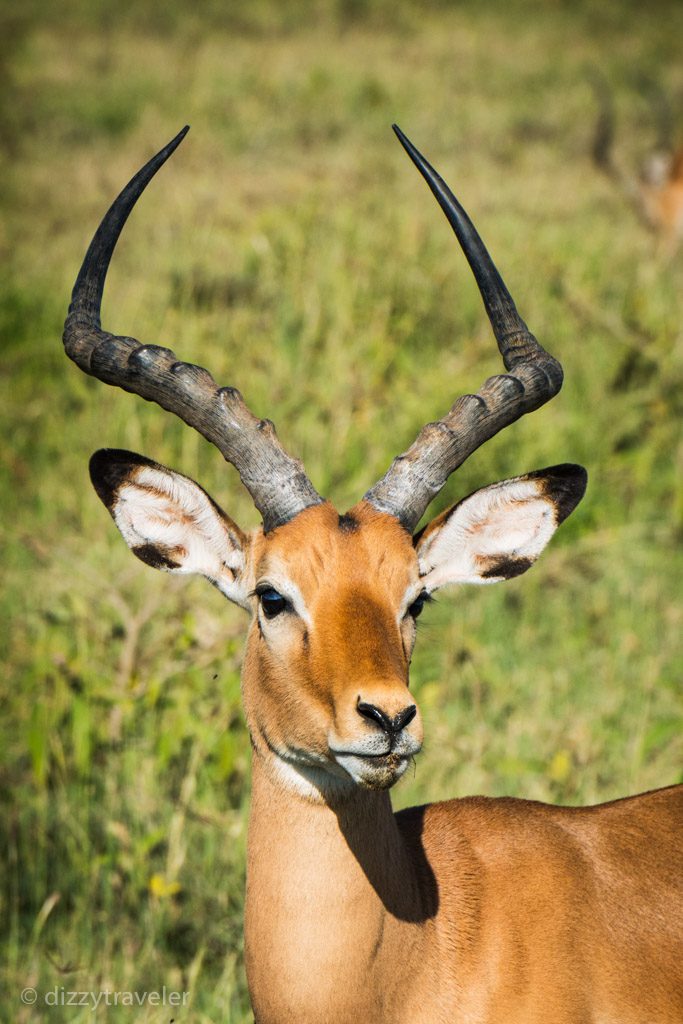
399, 134
413, 152
180, 136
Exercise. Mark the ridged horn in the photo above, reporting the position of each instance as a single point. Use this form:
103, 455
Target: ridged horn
276, 482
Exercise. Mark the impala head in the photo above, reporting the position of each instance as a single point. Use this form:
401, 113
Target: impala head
333, 597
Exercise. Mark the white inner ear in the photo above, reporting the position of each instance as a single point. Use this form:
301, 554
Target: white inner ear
493, 534
168, 512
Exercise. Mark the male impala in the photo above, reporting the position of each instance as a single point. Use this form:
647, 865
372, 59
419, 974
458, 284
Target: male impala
474, 910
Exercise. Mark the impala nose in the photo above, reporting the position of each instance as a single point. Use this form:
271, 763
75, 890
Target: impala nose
391, 726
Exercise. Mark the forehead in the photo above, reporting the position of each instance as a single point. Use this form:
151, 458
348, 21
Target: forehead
319, 548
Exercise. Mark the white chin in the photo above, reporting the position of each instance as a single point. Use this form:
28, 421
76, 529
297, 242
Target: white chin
373, 772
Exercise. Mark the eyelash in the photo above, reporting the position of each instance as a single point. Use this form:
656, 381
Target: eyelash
415, 609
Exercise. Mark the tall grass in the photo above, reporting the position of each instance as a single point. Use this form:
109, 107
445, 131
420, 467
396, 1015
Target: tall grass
290, 247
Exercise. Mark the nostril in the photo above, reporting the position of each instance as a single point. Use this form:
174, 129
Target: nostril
391, 726
404, 718
374, 714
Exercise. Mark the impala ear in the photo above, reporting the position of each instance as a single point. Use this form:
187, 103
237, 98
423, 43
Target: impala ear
169, 522
499, 531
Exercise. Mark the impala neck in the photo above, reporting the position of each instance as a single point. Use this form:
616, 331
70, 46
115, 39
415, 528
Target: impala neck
337, 897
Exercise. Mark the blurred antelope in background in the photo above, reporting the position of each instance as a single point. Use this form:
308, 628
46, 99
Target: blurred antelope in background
656, 192
472, 910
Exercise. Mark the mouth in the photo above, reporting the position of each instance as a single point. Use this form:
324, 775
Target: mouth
372, 770
369, 756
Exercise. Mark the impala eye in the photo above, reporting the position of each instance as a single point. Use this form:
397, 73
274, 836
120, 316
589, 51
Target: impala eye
418, 604
271, 602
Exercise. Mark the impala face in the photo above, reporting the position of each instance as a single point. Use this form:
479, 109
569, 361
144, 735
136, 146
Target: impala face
334, 602
326, 672
334, 598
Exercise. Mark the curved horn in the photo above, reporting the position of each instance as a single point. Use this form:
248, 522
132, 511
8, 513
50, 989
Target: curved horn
276, 482
416, 477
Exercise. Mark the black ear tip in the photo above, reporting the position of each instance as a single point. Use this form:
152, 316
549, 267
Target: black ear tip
566, 485
96, 460
109, 468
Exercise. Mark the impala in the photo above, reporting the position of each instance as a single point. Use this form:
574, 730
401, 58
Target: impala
473, 910
656, 192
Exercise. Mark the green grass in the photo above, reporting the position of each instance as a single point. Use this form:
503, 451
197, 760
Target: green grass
291, 247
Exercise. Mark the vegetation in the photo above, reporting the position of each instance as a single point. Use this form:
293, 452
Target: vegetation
291, 247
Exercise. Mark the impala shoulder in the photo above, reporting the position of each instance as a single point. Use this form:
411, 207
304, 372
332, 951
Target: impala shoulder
495, 833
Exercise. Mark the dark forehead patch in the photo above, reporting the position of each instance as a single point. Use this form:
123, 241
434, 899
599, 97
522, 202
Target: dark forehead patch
348, 523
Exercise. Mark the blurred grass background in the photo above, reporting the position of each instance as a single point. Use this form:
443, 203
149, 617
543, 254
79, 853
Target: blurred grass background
291, 247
